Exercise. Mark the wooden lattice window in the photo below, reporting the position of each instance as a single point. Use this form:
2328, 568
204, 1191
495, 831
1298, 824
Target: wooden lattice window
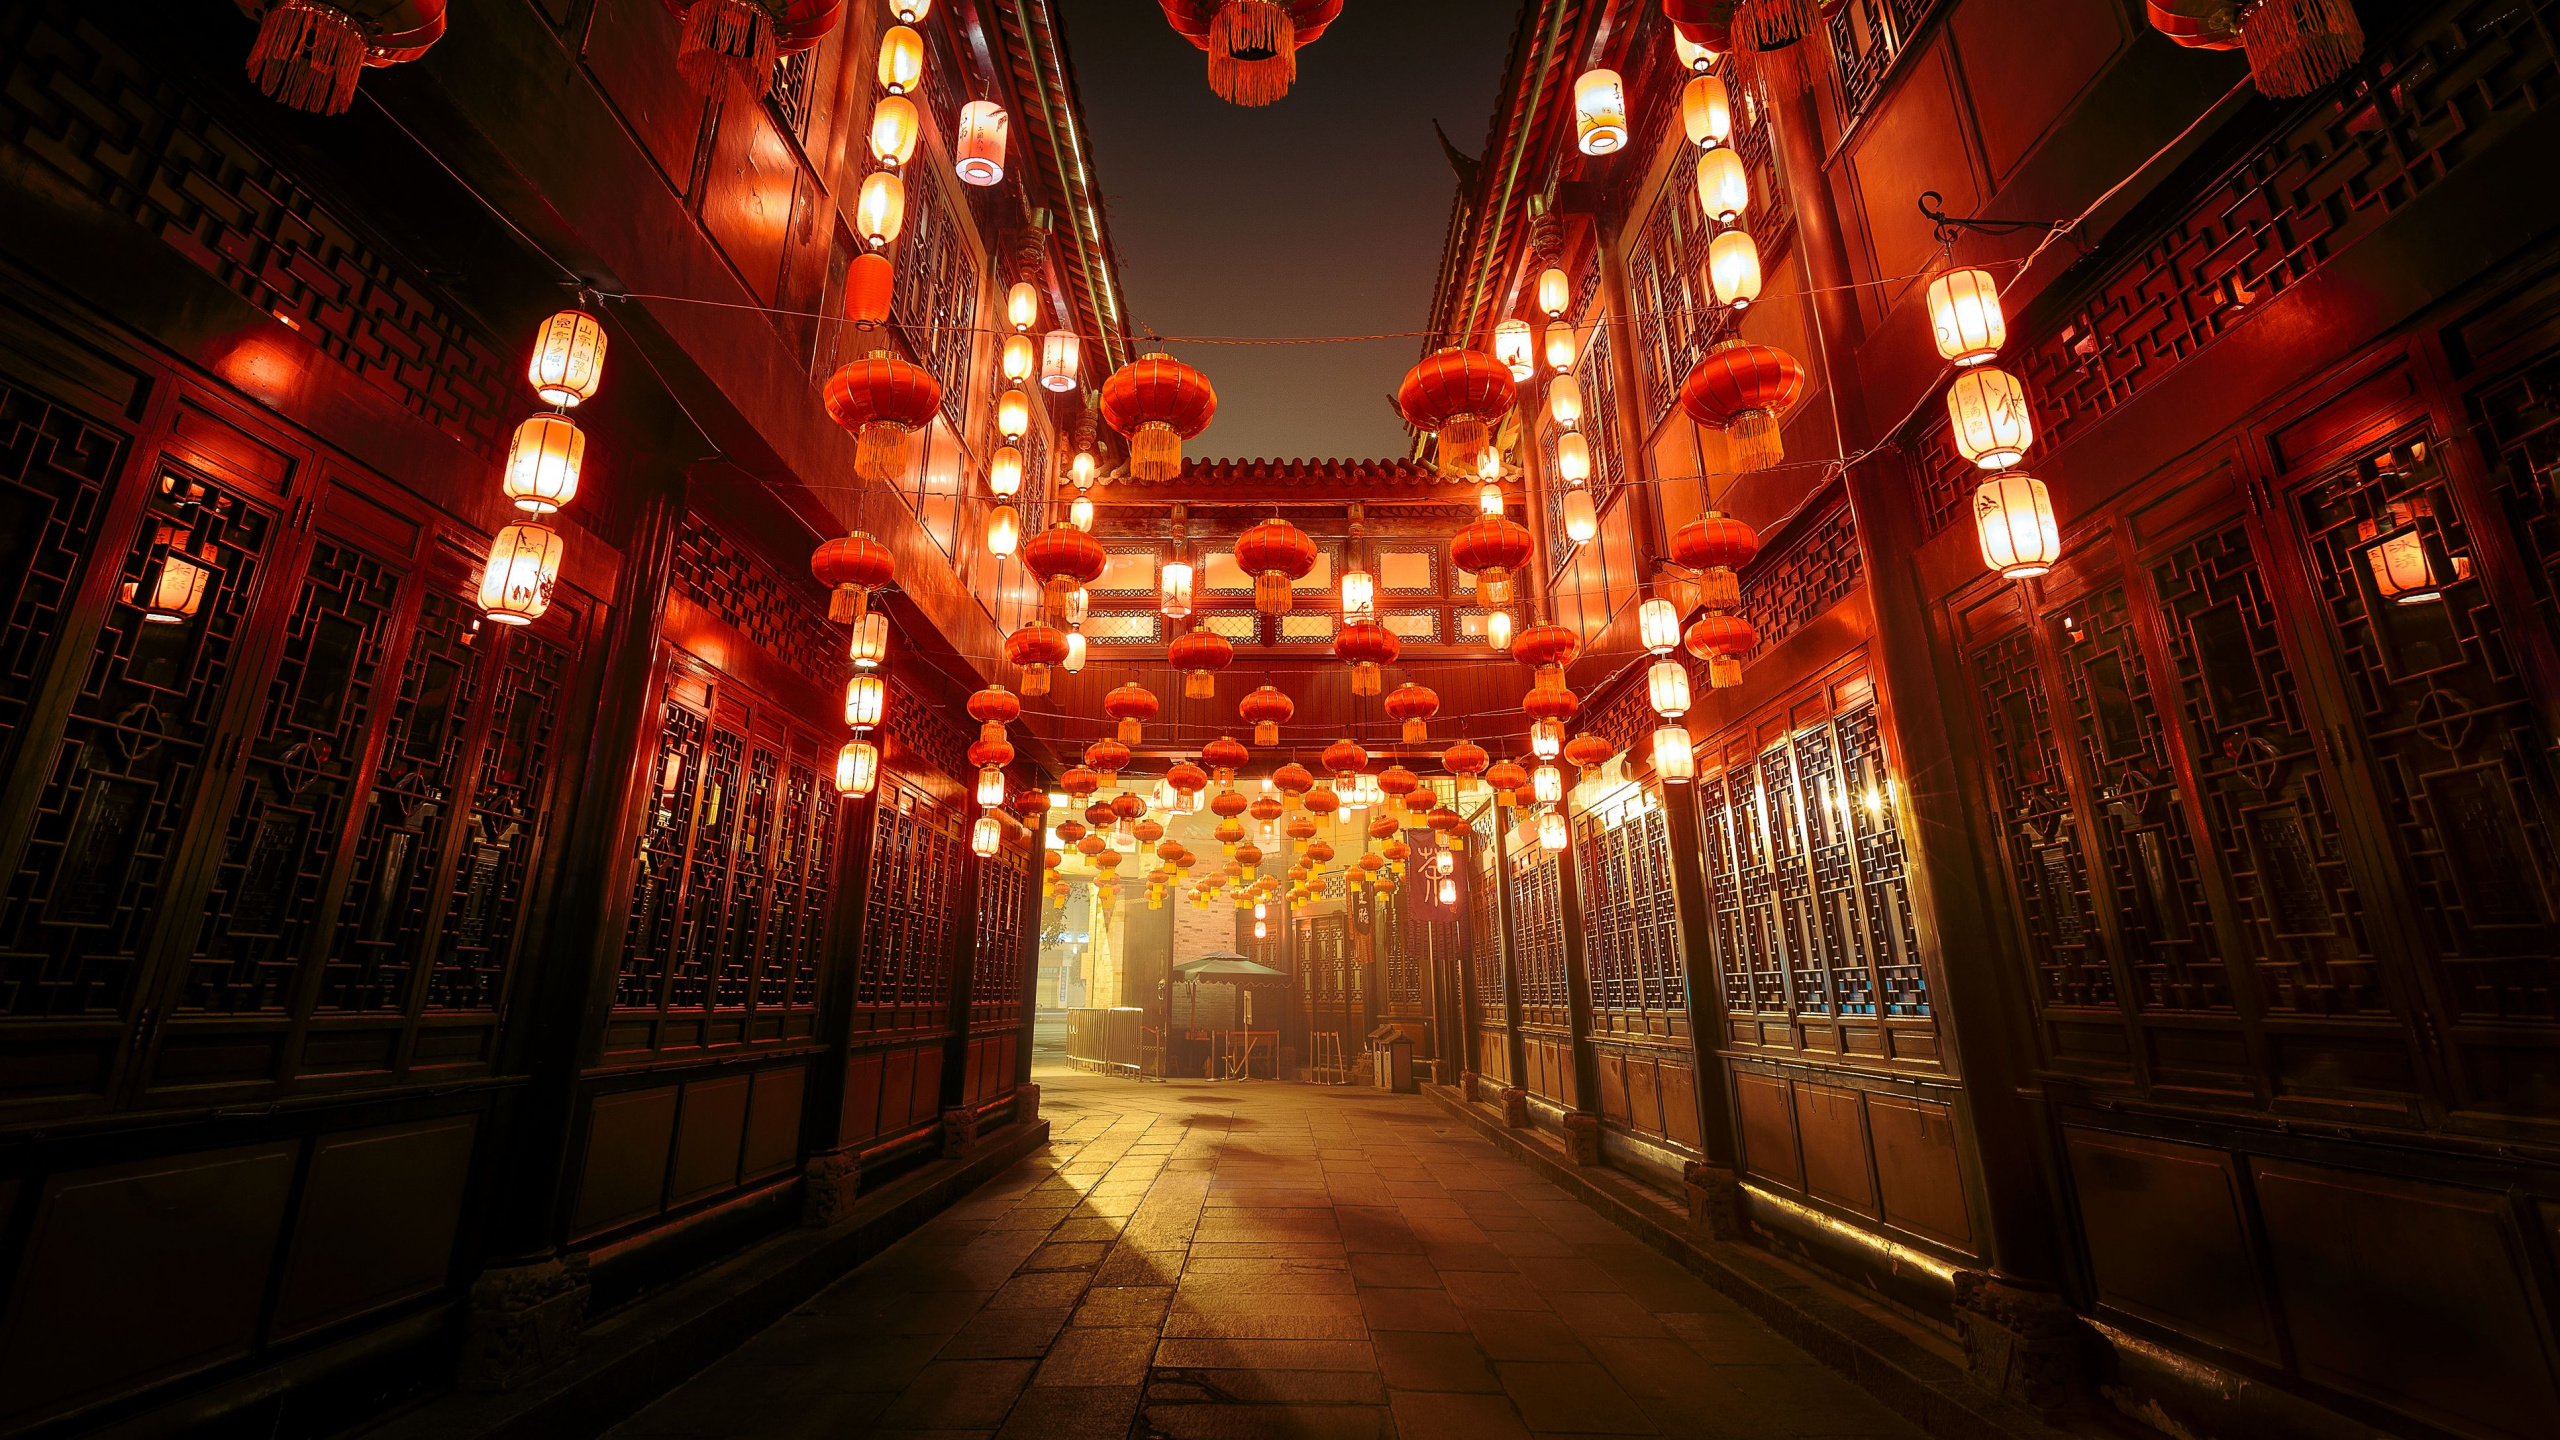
1631, 932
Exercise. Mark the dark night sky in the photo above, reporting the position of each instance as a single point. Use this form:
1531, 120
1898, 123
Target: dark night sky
1321, 215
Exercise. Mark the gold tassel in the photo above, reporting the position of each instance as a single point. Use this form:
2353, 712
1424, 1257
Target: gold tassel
1155, 452
1199, 685
1035, 680
728, 49
1131, 732
1776, 24
1493, 587
1757, 444
2298, 46
847, 604
1724, 672
1253, 52
1271, 596
1719, 589
1364, 678
1416, 731
880, 455
1266, 734
1462, 443
307, 56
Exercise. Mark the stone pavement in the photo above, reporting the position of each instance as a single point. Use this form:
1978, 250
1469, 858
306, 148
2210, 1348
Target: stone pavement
1262, 1261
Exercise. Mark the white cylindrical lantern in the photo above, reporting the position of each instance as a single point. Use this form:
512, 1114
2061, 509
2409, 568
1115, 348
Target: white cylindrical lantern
1080, 513
1600, 112
985, 836
1004, 471
1724, 191
895, 126
1497, 629
1666, 684
173, 593
1516, 348
1706, 111
1733, 268
1573, 457
1018, 358
991, 786
1004, 531
1993, 422
543, 463
909, 11
1061, 360
1083, 469
1359, 594
881, 210
1555, 291
523, 566
1674, 761
2014, 516
1174, 589
1561, 345
1581, 517
1692, 55
1658, 621
1564, 401
1448, 892
979, 151
1554, 835
1022, 308
857, 769
568, 359
1075, 652
1546, 739
1013, 415
901, 60
870, 648
1965, 317
1546, 785
1489, 500
866, 702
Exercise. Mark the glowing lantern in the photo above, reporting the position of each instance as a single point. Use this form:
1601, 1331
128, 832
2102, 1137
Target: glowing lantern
1724, 192
1548, 650
901, 60
1560, 346
857, 769
1107, 756
1489, 500
894, 128
1581, 518
2409, 566
1132, 705
1550, 702
1733, 268
1359, 594
1366, 645
1074, 661
985, 836
543, 463
1491, 550
1590, 752
1516, 348
1174, 589
1016, 359
1599, 112
1226, 757
870, 647
1564, 401
1466, 760
1004, 471
866, 701
1266, 710
1199, 655
1722, 641
1706, 111
1080, 514
1673, 758
1413, 706
1546, 785
1004, 531
1457, 394
1555, 291
309, 55
995, 707
1035, 648
883, 400
1065, 559
1344, 758
1965, 317
979, 152
990, 787
851, 568
1658, 622
1745, 390
1083, 469
1277, 555
1497, 629
2014, 516
1573, 458
568, 359
173, 593
1022, 309
1546, 739
1554, 835
1013, 414
870, 286
1994, 424
880, 210
1667, 686
991, 751
1158, 402
1061, 360
909, 11
516, 583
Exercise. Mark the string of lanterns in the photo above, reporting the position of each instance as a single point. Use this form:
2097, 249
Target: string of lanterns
540, 477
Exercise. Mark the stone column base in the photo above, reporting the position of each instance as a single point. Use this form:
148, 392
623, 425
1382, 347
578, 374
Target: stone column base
829, 1186
1515, 1108
1470, 1084
523, 1320
1715, 1201
959, 1131
1026, 1103
1582, 1137
2023, 1345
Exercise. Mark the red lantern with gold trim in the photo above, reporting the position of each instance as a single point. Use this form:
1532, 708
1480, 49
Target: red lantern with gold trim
309, 56
1066, 559
1293, 781
1722, 641
1253, 45
1344, 757
1225, 757
1460, 395
851, 567
1108, 756
1466, 760
1590, 752
1508, 780
1133, 705
883, 400
995, 705
1413, 706
1367, 645
1745, 391
1200, 655
1227, 804
1551, 702
1035, 648
1548, 650
1492, 549
1158, 402
1266, 710
1277, 555
1079, 782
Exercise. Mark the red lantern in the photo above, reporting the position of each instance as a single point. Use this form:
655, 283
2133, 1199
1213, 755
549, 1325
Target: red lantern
1398, 782
1071, 831
1158, 402
1030, 804
1108, 756
1722, 641
1079, 782
308, 56
882, 400
2197, 24
1128, 807
851, 568
1266, 710
1253, 45
1459, 394
1171, 852
1491, 549
1745, 390
1200, 655
1466, 760
1414, 705
1227, 805
1344, 757
995, 705
1187, 779
1277, 555
727, 47
1590, 752
1546, 647
1321, 802
1132, 705
1249, 856
1508, 780
1066, 559
1264, 808
1708, 23
1366, 644
1383, 827
1225, 757
870, 284
1035, 648
1715, 541
2294, 47
1293, 780
1148, 832
990, 754
1550, 702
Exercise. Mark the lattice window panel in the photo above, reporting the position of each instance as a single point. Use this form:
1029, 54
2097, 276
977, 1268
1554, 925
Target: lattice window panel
1130, 572
1901, 983
1484, 919
1866, 37
1416, 627
1772, 216
2520, 420
1538, 953
789, 92
935, 304
1817, 569
1300, 629
82, 108
1124, 627
55, 467
2458, 749
995, 976
666, 832
783, 616
1406, 938
1946, 479
517, 750
928, 732
1677, 319
1631, 936
1408, 572
1598, 379
1241, 629
2039, 833
903, 974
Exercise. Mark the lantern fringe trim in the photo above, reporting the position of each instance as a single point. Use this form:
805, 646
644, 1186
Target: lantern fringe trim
1253, 52
728, 49
1035, 681
880, 456
1199, 685
1416, 730
2297, 46
307, 56
1776, 24
1272, 595
1155, 452
1757, 442
1462, 445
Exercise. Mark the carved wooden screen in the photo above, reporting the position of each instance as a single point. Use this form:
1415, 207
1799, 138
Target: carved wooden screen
995, 977
902, 980
1484, 920
1537, 917
1677, 320
1815, 941
1631, 952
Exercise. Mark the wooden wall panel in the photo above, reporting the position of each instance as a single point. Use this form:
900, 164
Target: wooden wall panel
710, 1126
862, 1080
1919, 1171
773, 1122
139, 1272
746, 195
1915, 144
2168, 1237
2025, 63
1832, 1127
377, 1221
623, 1177
631, 46
1768, 1129
2410, 1293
